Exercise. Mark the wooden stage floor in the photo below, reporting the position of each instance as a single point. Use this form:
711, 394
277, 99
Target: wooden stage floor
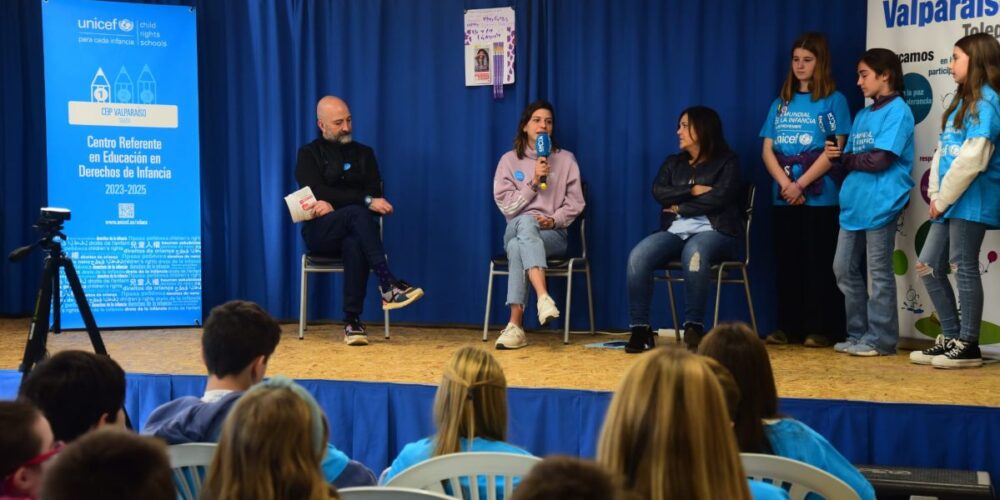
416, 355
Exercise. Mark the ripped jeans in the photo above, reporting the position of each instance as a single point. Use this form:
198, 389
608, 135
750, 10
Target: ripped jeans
697, 253
961, 240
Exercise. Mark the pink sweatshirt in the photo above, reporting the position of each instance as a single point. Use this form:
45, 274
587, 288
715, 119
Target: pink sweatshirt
563, 200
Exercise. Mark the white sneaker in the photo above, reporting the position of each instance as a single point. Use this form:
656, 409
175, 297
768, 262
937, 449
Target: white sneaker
511, 337
546, 309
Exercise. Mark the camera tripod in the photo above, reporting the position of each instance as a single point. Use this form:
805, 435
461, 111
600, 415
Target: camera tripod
47, 299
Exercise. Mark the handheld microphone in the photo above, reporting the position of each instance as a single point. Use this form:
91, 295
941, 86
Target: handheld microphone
543, 147
828, 126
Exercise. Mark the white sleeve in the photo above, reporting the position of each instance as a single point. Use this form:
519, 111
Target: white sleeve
973, 158
932, 184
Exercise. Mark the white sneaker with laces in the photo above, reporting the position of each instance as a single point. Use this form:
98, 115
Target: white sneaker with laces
511, 337
546, 309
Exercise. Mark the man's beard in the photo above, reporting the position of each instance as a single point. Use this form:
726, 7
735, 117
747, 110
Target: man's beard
341, 137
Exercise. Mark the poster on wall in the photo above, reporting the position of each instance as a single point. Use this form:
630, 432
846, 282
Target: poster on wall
923, 34
121, 108
489, 46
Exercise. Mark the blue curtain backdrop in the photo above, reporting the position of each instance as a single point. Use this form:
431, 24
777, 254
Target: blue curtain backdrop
618, 72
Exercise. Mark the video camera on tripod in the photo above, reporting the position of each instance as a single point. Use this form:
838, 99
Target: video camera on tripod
50, 224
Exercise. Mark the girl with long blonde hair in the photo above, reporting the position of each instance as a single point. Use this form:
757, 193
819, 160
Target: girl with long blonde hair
470, 411
271, 447
668, 432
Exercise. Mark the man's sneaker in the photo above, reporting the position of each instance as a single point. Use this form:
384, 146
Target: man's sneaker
354, 332
692, 335
777, 337
941, 346
511, 337
400, 295
845, 345
546, 309
642, 340
817, 340
865, 351
960, 355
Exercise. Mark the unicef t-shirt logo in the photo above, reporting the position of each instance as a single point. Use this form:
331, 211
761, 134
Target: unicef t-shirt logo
805, 139
953, 149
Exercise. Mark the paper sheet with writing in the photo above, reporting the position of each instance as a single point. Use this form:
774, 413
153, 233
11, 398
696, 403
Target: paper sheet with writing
298, 202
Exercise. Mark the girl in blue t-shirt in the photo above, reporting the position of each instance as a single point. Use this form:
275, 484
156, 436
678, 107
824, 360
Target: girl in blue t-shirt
470, 410
964, 186
877, 160
808, 110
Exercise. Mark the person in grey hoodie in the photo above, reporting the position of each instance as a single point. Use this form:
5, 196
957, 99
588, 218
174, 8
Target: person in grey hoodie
540, 196
238, 340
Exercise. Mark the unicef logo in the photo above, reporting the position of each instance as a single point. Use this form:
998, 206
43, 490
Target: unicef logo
918, 95
805, 139
954, 149
126, 25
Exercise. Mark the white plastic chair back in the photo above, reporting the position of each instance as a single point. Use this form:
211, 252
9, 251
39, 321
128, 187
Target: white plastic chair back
190, 465
387, 493
494, 472
797, 478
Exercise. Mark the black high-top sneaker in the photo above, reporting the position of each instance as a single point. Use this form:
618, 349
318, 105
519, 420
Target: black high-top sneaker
692, 335
641, 340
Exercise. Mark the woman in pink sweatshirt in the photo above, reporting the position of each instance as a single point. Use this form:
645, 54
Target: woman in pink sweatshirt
540, 196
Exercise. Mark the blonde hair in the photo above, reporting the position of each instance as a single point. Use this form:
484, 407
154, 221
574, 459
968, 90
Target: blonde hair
984, 69
821, 84
668, 434
471, 401
271, 447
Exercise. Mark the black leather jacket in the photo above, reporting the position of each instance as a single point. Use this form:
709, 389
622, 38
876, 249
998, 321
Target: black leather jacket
722, 204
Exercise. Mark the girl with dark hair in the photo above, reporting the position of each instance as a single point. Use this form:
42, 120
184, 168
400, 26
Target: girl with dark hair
540, 196
809, 109
964, 186
758, 425
700, 224
877, 159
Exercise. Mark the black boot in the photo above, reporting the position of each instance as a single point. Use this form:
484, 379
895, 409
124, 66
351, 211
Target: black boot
692, 335
641, 340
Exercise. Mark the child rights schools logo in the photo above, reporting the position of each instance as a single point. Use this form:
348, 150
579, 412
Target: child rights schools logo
95, 24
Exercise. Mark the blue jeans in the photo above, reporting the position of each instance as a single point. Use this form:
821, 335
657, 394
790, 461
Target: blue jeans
527, 247
697, 253
350, 233
961, 239
871, 320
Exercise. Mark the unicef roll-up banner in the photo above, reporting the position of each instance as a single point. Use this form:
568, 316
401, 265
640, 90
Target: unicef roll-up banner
922, 33
121, 99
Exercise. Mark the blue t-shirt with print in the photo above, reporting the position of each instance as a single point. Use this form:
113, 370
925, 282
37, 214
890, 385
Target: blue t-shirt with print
870, 200
979, 201
794, 129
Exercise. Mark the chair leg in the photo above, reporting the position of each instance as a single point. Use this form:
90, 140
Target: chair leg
590, 300
569, 301
385, 321
718, 293
489, 302
673, 308
302, 300
746, 287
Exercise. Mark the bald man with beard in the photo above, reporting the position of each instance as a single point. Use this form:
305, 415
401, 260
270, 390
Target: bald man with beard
344, 177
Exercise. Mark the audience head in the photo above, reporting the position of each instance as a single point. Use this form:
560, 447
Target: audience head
271, 446
238, 340
77, 391
471, 400
810, 64
538, 117
700, 132
736, 347
567, 478
27, 443
668, 432
110, 464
